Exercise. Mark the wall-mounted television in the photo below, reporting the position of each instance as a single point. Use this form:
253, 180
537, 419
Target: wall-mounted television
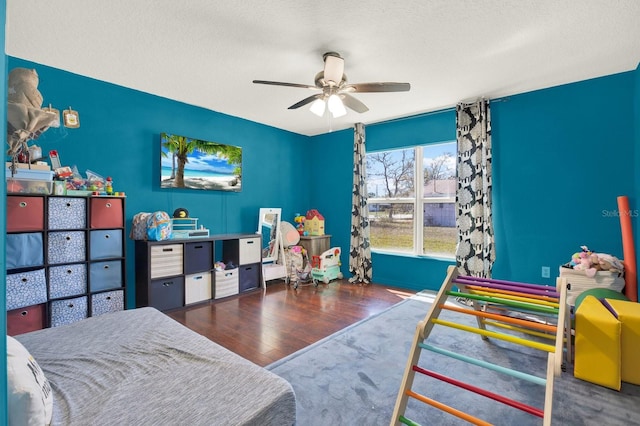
192, 163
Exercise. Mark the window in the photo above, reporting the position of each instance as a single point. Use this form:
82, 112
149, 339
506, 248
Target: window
410, 218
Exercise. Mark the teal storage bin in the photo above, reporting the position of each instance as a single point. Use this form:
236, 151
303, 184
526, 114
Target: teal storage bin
24, 250
105, 275
105, 244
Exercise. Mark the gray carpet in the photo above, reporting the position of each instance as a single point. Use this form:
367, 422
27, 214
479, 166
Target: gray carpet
352, 378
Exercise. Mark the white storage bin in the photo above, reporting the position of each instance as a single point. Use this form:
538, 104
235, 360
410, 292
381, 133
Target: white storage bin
197, 287
227, 283
250, 251
579, 282
166, 260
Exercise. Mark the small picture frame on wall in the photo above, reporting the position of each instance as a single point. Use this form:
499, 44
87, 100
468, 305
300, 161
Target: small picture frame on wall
70, 118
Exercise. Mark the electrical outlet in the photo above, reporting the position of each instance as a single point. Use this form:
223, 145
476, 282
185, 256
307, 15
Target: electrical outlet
546, 272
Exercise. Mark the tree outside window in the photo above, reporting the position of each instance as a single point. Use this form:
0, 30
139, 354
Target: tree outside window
406, 218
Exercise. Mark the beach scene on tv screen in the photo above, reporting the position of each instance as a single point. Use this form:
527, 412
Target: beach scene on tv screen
192, 163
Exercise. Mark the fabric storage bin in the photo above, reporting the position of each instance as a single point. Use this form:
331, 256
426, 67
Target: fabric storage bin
24, 320
67, 280
197, 287
24, 250
249, 277
26, 288
67, 213
166, 260
68, 311
105, 275
226, 283
198, 257
579, 282
105, 244
105, 212
249, 251
66, 247
25, 213
166, 293
109, 301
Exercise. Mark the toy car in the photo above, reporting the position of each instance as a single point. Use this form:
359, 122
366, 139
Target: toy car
326, 267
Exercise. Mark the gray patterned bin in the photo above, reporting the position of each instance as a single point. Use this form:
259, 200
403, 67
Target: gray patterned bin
67, 280
26, 289
109, 301
66, 247
67, 213
68, 311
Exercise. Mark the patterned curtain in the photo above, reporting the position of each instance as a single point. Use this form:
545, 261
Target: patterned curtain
475, 252
360, 250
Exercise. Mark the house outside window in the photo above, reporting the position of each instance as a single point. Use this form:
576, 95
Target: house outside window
413, 219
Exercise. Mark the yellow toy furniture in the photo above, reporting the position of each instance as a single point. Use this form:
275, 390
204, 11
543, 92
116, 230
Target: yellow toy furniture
628, 313
597, 344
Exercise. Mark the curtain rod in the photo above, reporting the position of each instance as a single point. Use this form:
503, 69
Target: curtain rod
426, 114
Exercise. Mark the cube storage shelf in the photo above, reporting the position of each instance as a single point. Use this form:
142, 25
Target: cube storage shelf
65, 259
174, 273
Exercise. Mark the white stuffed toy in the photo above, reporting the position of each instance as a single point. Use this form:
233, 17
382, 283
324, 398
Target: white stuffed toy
25, 118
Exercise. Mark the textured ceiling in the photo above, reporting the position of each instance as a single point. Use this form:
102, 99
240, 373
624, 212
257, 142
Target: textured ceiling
207, 53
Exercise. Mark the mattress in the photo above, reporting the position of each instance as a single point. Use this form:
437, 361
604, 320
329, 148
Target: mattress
141, 367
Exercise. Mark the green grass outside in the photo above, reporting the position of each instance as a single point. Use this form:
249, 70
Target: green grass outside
398, 235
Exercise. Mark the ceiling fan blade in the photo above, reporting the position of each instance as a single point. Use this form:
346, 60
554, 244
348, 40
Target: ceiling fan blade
306, 101
351, 102
379, 87
333, 68
278, 83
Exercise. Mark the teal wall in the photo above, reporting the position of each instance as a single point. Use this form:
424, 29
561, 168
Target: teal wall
119, 136
561, 157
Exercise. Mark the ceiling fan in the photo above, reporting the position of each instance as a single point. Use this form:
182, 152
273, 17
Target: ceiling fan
334, 90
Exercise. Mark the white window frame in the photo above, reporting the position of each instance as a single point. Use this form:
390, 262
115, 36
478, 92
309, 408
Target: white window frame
418, 201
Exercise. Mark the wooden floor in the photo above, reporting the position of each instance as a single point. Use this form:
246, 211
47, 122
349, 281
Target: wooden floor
267, 327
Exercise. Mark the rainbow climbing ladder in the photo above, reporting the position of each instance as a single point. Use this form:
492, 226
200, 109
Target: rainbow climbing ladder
493, 303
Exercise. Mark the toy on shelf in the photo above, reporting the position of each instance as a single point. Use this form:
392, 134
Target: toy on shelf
314, 223
299, 220
326, 267
108, 185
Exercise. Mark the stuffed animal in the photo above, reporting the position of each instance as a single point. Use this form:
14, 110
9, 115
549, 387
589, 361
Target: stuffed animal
591, 262
607, 262
585, 261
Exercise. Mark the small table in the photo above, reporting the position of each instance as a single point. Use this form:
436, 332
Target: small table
315, 244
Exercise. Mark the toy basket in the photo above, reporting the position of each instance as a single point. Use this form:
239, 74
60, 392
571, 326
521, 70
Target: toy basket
580, 282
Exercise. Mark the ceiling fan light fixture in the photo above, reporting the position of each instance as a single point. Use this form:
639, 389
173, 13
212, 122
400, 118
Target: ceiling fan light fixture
333, 68
336, 107
317, 107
